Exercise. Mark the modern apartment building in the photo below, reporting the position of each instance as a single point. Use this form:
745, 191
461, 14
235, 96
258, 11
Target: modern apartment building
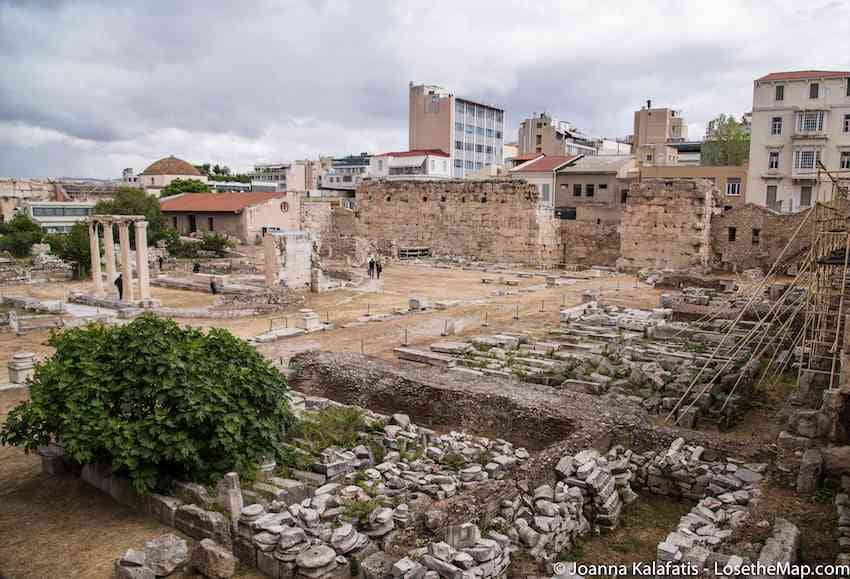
800, 118
270, 177
470, 132
424, 165
57, 216
657, 127
345, 172
547, 135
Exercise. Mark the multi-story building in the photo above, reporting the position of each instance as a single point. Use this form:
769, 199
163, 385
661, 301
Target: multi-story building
411, 165
657, 127
345, 172
57, 216
801, 119
470, 132
594, 189
541, 172
270, 177
547, 135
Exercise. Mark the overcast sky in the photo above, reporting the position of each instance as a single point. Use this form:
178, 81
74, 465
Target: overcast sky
91, 87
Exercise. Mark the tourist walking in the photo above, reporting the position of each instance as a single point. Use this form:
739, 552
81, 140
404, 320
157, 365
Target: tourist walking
371, 267
379, 268
119, 284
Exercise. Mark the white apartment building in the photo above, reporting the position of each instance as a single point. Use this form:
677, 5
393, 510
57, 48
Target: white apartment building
423, 165
471, 133
800, 118
270, 177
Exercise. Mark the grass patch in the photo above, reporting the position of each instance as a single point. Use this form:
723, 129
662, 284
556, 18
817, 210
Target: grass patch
359, 510
334, 426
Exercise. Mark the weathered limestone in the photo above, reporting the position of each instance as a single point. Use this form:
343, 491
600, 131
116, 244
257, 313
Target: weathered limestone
126, 267
166, 553
109, 255
94, 246
213, 560
21, 367
288, 258
142, 268
142, 260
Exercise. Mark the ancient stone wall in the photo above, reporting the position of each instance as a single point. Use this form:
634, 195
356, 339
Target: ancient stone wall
666, 224
753, 237
316, 216
492, 219
587, 243
13, 192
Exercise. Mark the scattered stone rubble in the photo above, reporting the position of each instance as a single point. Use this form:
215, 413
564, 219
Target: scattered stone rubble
633, 355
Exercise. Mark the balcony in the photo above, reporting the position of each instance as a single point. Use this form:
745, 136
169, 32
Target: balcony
804, 174
800, 134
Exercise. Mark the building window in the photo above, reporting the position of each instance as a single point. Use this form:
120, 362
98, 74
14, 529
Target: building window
733, 233
459, 163
479, 148
470, 165
588, 190
844, 161
624, 195
776, 126
847, 123
544, 191
210, 225
810, 121
780, 92
459, 127
469, 146
603, 186
805, 158
174, 222
577, 190
813, 90
733, 186
459, 145
649, 157
498, 134
848, 87
771, 197
773, 160
756, 236
470, 130
806, 196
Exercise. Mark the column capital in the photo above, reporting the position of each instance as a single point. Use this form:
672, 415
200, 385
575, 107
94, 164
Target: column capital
140, 224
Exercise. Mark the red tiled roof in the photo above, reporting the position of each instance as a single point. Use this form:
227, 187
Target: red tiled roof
171, 166
801, 74
415, 153
527, 156
216, 202
547, 163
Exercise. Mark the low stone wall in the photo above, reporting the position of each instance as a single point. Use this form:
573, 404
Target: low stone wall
589, 243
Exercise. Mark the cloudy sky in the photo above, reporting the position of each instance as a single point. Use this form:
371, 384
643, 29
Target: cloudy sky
91, 87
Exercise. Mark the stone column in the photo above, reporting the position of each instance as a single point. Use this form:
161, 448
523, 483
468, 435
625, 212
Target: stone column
126, 270
109, 254
95, 258
271, 259
142, 260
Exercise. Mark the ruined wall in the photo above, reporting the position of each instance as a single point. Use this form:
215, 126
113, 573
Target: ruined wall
316, 216
666, 224
492, 219
13, 192
590, 244
759, 237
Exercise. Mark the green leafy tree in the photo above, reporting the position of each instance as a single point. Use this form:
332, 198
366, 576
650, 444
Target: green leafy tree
215, 242
156, 401
73, 246
184, 186
727, 142
19, 235
132, 201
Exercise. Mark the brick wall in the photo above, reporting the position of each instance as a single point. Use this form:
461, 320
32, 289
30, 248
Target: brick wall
493, 219
666, 224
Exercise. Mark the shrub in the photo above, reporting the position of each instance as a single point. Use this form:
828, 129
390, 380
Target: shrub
154, 400
334, 426
216, 243
19, 235
359, 510
73, 246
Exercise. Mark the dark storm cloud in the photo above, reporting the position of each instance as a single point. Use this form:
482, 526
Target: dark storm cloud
92, 86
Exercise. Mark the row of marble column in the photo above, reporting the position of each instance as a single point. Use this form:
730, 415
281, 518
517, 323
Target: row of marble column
124, 258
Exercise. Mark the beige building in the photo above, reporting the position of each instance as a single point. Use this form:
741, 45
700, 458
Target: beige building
240, 215
161, 173
595, 188
731, 181
546, 135
541, 173
471, 133
657, 126
800, 119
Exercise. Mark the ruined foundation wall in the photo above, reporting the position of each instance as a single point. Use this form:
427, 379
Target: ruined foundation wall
666, 224
586, 243
14, 192
493, 219
759, 237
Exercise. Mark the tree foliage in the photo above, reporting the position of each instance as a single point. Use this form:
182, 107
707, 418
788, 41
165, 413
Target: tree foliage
73, 246
184, 186
727, 142
221, 173
156, 401
19, 235
132, 201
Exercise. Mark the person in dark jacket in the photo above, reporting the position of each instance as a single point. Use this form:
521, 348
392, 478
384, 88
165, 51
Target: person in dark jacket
213, 286
119, 285
378, 268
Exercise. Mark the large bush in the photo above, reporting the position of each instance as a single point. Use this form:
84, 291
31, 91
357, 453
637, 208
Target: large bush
73, 246
19, 235
156, 401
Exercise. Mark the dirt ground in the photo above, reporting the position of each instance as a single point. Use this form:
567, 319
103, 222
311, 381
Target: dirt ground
59, 527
